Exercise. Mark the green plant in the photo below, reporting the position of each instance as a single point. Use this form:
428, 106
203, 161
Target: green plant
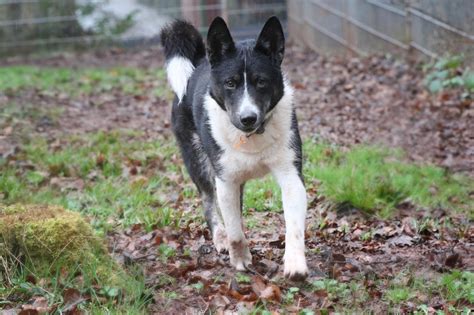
242, 278
397, 295
166, 252
447, 73
458, 285
79, 82
290, 295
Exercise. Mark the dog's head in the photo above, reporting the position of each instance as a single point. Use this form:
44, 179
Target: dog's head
246, 78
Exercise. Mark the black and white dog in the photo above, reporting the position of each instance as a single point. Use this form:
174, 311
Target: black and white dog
233, 119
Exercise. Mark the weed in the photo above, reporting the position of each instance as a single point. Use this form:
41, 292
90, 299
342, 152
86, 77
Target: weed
397, 295
445, 73
242, 278
198, 286
458, 285
367, 236
290, 295
166, 252
334, 289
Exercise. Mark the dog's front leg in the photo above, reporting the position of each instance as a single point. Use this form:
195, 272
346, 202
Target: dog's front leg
228, 196
294, 206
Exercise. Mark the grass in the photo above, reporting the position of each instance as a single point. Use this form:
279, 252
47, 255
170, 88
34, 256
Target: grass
99, 165
458, 286
376, 180
455, 289
133, 81
262, 195
124, 294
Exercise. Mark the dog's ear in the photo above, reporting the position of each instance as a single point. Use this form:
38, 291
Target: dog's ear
271, 41
219, 41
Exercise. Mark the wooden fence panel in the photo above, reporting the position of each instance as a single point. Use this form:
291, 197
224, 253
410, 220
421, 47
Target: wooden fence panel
423, 28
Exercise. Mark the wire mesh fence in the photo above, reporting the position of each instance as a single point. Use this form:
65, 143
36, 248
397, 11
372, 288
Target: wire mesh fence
32, 26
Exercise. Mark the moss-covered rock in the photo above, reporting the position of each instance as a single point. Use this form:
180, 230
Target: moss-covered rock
48, 237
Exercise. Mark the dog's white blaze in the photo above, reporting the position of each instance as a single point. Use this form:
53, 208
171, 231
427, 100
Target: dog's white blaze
257, 148
179, 70
257, 156
247, 104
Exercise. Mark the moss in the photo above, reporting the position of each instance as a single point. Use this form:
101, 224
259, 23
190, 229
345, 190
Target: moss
46, 238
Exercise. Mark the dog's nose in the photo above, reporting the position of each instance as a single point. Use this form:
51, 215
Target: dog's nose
248, 119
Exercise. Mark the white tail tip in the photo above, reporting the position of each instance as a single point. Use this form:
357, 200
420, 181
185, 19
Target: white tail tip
179, 70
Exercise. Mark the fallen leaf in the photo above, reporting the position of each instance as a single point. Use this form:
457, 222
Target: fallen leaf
402, 240
271, 292
39, 305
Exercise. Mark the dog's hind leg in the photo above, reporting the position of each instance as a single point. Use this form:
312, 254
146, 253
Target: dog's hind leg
199, 170
214, 222
198, 165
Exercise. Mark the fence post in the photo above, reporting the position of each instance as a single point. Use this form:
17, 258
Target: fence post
408, 30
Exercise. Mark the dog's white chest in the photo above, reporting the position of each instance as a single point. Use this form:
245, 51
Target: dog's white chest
241, 162
250, 157
255, 156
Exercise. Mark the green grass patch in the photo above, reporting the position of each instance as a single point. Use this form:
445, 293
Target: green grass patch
455, 289
398, 295
376, 180
458, 286
133, 81
262, 195
126, 294
347, 294
105, 175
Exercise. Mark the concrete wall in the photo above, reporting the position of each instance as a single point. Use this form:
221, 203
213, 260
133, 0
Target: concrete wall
428, 28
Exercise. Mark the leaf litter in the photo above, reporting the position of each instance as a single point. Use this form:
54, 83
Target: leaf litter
344, 101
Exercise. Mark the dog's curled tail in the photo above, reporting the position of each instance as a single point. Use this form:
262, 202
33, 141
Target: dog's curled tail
184, 47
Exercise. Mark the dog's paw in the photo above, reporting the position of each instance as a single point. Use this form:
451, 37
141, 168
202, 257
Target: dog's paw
220, 239
240, 256
295, 267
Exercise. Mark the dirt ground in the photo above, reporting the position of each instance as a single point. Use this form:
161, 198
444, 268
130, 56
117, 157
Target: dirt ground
375, 100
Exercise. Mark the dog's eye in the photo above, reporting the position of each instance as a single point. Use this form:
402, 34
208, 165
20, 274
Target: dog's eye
229, 84
261, 83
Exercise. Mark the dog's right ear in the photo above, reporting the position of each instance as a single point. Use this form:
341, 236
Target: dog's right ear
219, 41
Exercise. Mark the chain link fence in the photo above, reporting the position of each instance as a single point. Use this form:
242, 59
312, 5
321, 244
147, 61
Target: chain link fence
33, 26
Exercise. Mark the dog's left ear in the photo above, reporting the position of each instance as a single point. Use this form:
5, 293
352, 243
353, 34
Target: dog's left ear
271, 41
